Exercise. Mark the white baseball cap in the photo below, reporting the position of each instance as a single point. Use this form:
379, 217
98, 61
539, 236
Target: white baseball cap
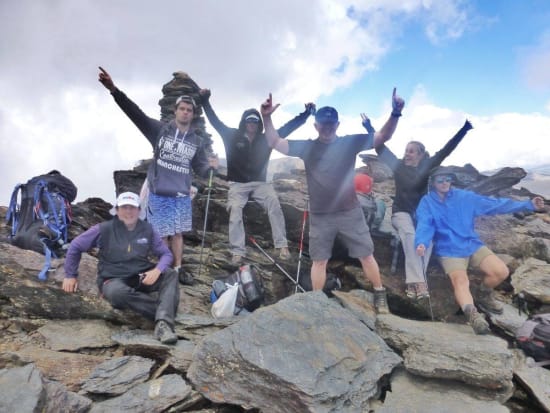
128, 198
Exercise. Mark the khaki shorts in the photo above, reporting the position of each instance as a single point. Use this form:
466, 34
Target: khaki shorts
451, 264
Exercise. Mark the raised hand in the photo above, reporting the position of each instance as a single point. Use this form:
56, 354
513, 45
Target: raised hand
467, 125
106, 79
366, 123
205, 94
267, 107
397, 103
310, 108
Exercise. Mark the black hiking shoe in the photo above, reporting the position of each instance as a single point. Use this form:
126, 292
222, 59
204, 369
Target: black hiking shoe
381, 302
165, 333
487, 302
477, 321
185, 277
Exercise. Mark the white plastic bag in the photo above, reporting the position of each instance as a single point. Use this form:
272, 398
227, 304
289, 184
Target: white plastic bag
225, 305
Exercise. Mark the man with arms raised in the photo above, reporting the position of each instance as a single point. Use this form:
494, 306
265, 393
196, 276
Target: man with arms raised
247, 153
334, 209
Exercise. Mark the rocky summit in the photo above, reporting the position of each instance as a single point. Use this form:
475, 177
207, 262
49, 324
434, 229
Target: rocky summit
299, 352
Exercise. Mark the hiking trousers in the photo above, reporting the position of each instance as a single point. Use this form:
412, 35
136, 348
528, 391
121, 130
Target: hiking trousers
264, 194
129, 293
404, 225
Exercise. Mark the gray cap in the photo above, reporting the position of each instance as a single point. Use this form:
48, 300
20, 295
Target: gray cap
443, 170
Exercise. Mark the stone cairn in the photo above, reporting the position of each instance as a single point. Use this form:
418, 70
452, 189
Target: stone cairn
182, 84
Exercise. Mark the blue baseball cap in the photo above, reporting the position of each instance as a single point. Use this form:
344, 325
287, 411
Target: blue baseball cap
326, 114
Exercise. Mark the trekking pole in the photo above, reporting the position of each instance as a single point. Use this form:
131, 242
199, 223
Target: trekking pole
209, 189
301, 245
298, 286
427, 287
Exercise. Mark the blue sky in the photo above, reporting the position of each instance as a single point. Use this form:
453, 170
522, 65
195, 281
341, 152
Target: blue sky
488, 61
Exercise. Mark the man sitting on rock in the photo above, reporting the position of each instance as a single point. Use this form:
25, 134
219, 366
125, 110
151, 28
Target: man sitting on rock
446, 216
126, 276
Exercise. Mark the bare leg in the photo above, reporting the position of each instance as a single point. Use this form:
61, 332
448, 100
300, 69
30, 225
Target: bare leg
175, 243
371, 270
318, 274
461, 286
495, 271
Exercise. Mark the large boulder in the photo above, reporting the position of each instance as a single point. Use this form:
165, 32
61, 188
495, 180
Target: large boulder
305, 353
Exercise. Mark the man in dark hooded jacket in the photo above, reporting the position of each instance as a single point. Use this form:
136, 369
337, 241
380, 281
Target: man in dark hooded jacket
247, 153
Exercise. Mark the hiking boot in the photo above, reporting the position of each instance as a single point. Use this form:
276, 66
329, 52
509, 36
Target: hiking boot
185, 277
477, 321
165, 333
411, 291
487, 302
381, 301
422, 291
284, 253
237, 259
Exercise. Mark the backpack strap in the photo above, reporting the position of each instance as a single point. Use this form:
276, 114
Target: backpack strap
59, 217
59, 229
13, 209
43, 274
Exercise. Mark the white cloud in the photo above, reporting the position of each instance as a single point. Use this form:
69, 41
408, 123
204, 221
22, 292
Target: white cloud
54, 113
535, 62
506, 139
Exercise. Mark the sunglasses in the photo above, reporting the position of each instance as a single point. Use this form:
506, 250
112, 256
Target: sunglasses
441, 179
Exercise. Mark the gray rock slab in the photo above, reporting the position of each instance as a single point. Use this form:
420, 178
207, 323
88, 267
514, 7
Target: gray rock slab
360, 303
535, 380
509, 321
118, 375
64, 367
137, 338
60, 399
196, 327
450, 351
531, 277
142, 343
181, 355
413, 394
22, 390
303, 354
154, 396
73, 335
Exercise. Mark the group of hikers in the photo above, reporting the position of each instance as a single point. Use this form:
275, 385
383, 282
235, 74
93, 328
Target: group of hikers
426, 210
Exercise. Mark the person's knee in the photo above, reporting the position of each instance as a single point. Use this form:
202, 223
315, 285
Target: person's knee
501, 272
271, 202
234, 209
459, 280
495, 268
117, 297
170, 276
319, 265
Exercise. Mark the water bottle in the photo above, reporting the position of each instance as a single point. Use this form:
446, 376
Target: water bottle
249, 286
